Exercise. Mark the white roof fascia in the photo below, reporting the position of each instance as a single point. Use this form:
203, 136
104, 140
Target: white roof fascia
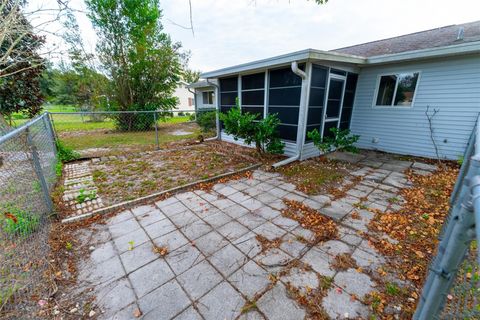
459, 49
285, 59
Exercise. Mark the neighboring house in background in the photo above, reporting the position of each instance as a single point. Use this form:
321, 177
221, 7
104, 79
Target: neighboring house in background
204, 94
379, 90
185, 97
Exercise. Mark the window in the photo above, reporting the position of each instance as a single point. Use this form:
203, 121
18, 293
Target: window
397, 89
208, 97
284, 100
190, 102
253, 94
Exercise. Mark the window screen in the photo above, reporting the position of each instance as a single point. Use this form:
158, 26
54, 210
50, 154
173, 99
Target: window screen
334, 98
316, 100
253, 94
228, 93
348, 97
284, 99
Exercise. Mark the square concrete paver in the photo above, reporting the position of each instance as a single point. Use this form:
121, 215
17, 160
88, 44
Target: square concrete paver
164, 302
172, 240
210, 243
160, 228
276, 305
150, 277
139, 256
250, 279
223, 302
228, 259
199, 279
184, 258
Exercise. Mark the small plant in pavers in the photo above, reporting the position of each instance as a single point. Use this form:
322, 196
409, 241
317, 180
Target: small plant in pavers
84, 195
249, 306
360, 205
343, 262
161, 250
15, 221
131, 245
393, 200
68, 246
392, 288
324, 228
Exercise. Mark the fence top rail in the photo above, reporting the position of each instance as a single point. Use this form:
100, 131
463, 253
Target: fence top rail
119, 112
23, 127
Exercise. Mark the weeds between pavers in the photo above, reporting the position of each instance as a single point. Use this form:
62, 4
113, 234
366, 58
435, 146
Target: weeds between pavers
415, 228
316, 175
324, 228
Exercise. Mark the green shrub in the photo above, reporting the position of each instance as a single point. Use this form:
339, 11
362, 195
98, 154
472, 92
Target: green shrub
58, 168
246, 126
342, 140
64, 153
19, 222
207, 120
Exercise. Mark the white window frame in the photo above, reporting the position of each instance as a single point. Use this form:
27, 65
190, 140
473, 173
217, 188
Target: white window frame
208, 92
393, 106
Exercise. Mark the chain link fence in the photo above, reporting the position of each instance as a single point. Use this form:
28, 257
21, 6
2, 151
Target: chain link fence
107, 132
452, 288
27, 175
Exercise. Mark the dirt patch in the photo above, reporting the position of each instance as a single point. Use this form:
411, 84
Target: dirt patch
132, 176
316, 175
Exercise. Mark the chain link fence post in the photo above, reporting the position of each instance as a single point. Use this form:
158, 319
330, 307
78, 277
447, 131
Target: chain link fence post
157, 143
38, 170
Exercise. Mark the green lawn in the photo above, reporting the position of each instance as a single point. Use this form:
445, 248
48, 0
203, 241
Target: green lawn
76, 122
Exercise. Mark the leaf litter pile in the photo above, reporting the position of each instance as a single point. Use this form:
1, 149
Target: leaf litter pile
415, 229
324, 228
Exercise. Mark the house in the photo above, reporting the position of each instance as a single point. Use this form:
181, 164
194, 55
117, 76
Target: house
204, 95
381, 90
185, 97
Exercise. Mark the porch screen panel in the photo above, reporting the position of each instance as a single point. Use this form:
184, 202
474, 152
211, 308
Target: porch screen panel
253, 94
347, 109
228, 93
284, 92
316, 100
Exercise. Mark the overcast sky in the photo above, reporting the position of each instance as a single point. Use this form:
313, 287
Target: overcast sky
230, 32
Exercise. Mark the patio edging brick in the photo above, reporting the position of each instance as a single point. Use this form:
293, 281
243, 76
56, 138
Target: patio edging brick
131, 203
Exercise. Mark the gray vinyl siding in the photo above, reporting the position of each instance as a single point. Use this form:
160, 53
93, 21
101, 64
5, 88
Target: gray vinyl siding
290, 148
452, 86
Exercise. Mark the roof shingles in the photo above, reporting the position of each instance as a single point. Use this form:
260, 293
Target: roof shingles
439, 37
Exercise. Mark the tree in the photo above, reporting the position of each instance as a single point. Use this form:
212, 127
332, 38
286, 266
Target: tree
20, 64
141, 60
191, 76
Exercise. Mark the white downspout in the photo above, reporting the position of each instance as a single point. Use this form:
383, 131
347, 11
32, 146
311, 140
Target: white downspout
194, 101
301, 114
217, 107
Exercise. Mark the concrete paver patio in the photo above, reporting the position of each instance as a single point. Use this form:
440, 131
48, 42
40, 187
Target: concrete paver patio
215, 265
